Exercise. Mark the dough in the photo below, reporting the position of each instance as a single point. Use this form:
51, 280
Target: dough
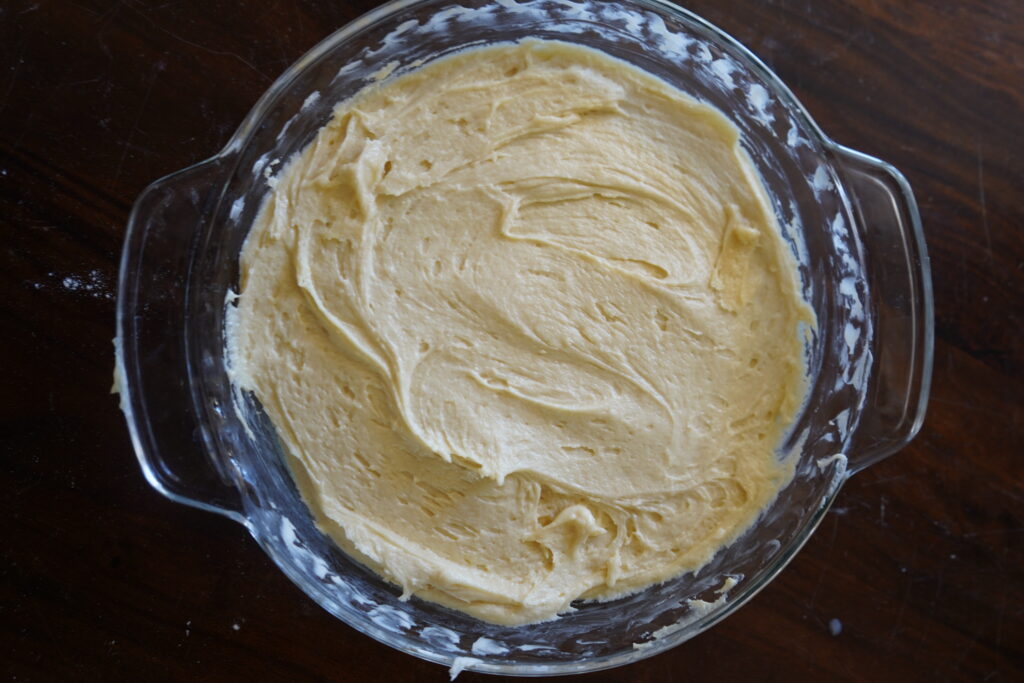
526, 326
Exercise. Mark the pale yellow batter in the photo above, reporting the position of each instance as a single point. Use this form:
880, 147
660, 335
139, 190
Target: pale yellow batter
525, 323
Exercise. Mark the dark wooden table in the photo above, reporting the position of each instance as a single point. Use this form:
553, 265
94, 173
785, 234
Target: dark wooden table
916, 574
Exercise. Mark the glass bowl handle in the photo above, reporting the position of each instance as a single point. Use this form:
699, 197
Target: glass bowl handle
900, 286
152, 370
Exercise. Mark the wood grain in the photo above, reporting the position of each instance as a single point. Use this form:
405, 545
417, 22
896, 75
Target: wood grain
917, 574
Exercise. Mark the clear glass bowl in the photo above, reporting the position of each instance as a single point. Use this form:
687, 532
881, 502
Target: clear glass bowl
851, 221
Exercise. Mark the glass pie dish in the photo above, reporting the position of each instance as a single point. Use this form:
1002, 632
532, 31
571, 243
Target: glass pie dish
850, 220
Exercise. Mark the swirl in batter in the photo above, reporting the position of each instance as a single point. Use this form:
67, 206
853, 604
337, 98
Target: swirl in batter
526, 326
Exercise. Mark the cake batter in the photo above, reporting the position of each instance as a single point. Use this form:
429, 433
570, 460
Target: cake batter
525, 323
